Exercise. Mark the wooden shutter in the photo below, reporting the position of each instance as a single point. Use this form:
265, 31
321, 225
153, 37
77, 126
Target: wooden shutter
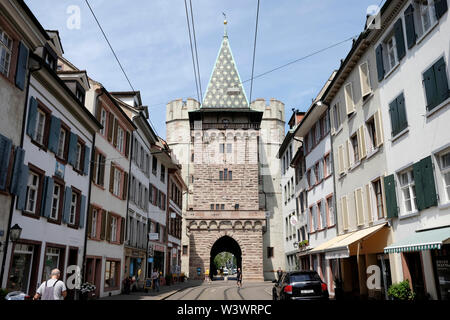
95, 165
350, 154
19, 155
108, 226
127, 144
424, 183
344, 213
401, 109
82, 212
53, 138
379, 58
22, 66
359, 206
104, 217
115, 134
125, 186
323, 214
399, 39
72, 157
391, 196
410, 28
341, 165
5, 155
429, 82
98, 112
365, 79
32, 114
349, 102
368, 194
361, 143
102, 160
440, 7
47, 197
87, 160
89, 221
67, 203
110, 126
22, 182
394, 117
440, 73
378, 128
122, 229
111, 178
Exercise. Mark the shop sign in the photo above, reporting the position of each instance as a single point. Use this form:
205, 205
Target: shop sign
153, 236
150, 260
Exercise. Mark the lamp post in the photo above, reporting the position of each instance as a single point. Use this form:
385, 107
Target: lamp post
15, 233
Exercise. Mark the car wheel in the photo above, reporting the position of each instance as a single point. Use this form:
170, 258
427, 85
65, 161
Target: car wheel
274, 296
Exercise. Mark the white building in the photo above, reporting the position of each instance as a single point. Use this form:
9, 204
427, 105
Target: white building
51, 175
412, 52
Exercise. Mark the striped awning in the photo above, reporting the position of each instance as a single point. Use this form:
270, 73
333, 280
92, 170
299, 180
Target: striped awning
431, 239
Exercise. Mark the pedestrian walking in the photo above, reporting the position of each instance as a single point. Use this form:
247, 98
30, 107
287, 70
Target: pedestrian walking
52, 289
279, 273
208, 279
239, 277
155, 279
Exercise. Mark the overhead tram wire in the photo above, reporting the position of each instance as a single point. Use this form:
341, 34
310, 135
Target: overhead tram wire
117, 59
254, 51
289, 63
192, 51
196, 53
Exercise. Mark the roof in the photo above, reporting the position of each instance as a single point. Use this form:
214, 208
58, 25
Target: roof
225, 89
128, 94
34, 19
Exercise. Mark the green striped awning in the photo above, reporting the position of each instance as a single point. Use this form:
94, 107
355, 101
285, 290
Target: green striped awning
421, 240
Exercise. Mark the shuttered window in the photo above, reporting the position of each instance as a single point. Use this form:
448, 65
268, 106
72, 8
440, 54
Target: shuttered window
366, 87
378, 193
445, 171
408, 191
391, 196
424, 183
341, 164
344, 212
22, 66
410, 27
368, 200
5, 159
359, 205
349, 101
436, 84
397, 111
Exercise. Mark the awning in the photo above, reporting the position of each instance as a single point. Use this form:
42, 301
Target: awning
322, 247
421, 240
341, 248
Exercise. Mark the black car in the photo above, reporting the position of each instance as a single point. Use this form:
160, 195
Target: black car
300, 285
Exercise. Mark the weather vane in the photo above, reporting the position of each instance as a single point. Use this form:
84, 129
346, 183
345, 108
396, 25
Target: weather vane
225, 23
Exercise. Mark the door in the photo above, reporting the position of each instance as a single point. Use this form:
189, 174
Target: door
72, 260
98, 276
415, 270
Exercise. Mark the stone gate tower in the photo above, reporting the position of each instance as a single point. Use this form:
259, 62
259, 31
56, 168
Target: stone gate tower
228, 149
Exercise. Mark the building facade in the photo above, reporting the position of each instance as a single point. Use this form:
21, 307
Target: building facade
228, 149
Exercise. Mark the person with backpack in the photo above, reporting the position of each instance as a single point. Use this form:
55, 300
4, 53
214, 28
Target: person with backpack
52, 289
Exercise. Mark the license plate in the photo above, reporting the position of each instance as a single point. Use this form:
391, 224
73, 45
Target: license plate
307, 291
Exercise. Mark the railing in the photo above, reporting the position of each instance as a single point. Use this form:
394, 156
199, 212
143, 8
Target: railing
223, 126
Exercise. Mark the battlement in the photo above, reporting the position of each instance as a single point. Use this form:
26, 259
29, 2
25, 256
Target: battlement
273, 108
178, 109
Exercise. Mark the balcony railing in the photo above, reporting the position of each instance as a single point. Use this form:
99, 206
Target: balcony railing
223, 126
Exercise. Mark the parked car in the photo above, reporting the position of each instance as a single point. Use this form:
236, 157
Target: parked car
225, 271
300, 285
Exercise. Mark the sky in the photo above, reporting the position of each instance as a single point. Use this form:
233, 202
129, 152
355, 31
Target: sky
152, 42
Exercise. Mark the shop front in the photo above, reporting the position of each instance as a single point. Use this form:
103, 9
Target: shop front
425, 259
135, 267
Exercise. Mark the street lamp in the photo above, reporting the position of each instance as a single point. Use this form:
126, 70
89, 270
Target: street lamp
15, 233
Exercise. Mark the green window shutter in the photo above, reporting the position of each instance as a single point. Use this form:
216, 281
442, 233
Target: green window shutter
67, 202
87, 160
19, 155
401, 111
32, 114
5, 154
47, 197
399, 39
82, 211
380, 66
22, 63
72, 157
440, 7
53, 139
440, 73
419, 186
429, 186
394, 117
22, 187
429, 82
391, 198
410, 28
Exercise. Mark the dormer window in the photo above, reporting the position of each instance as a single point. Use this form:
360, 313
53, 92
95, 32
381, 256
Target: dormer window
80, 93
50, 57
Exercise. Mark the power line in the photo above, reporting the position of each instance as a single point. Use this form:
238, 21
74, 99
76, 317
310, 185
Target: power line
106, 38
254, 50
289, 63
192, 51
196, 54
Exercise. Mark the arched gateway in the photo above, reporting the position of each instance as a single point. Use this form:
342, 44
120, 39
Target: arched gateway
227, 149
225, 244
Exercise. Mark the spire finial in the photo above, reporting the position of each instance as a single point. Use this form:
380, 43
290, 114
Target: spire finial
225, 22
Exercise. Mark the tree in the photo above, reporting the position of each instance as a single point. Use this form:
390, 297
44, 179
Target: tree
221, 259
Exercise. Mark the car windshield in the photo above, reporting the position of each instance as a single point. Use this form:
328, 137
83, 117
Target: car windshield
300, 277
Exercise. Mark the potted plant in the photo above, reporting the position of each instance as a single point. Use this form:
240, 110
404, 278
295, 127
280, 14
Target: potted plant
401, 291
87, 291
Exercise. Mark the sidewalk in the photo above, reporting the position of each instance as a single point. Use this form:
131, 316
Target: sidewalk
164, 292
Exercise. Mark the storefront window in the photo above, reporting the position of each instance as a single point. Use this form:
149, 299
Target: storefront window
51, 262
111, 274
20, 273
442, 265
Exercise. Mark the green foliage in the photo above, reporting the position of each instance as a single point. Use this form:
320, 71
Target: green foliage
401, 291
221, 259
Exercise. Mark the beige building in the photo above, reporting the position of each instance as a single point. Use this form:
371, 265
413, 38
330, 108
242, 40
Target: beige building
228, 150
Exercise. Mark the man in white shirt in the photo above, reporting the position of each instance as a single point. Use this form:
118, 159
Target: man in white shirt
52, 289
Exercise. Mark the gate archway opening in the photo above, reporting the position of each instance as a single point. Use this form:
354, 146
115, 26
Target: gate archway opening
224, 244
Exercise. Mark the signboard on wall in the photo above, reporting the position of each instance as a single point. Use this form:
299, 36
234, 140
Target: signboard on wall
153, 236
